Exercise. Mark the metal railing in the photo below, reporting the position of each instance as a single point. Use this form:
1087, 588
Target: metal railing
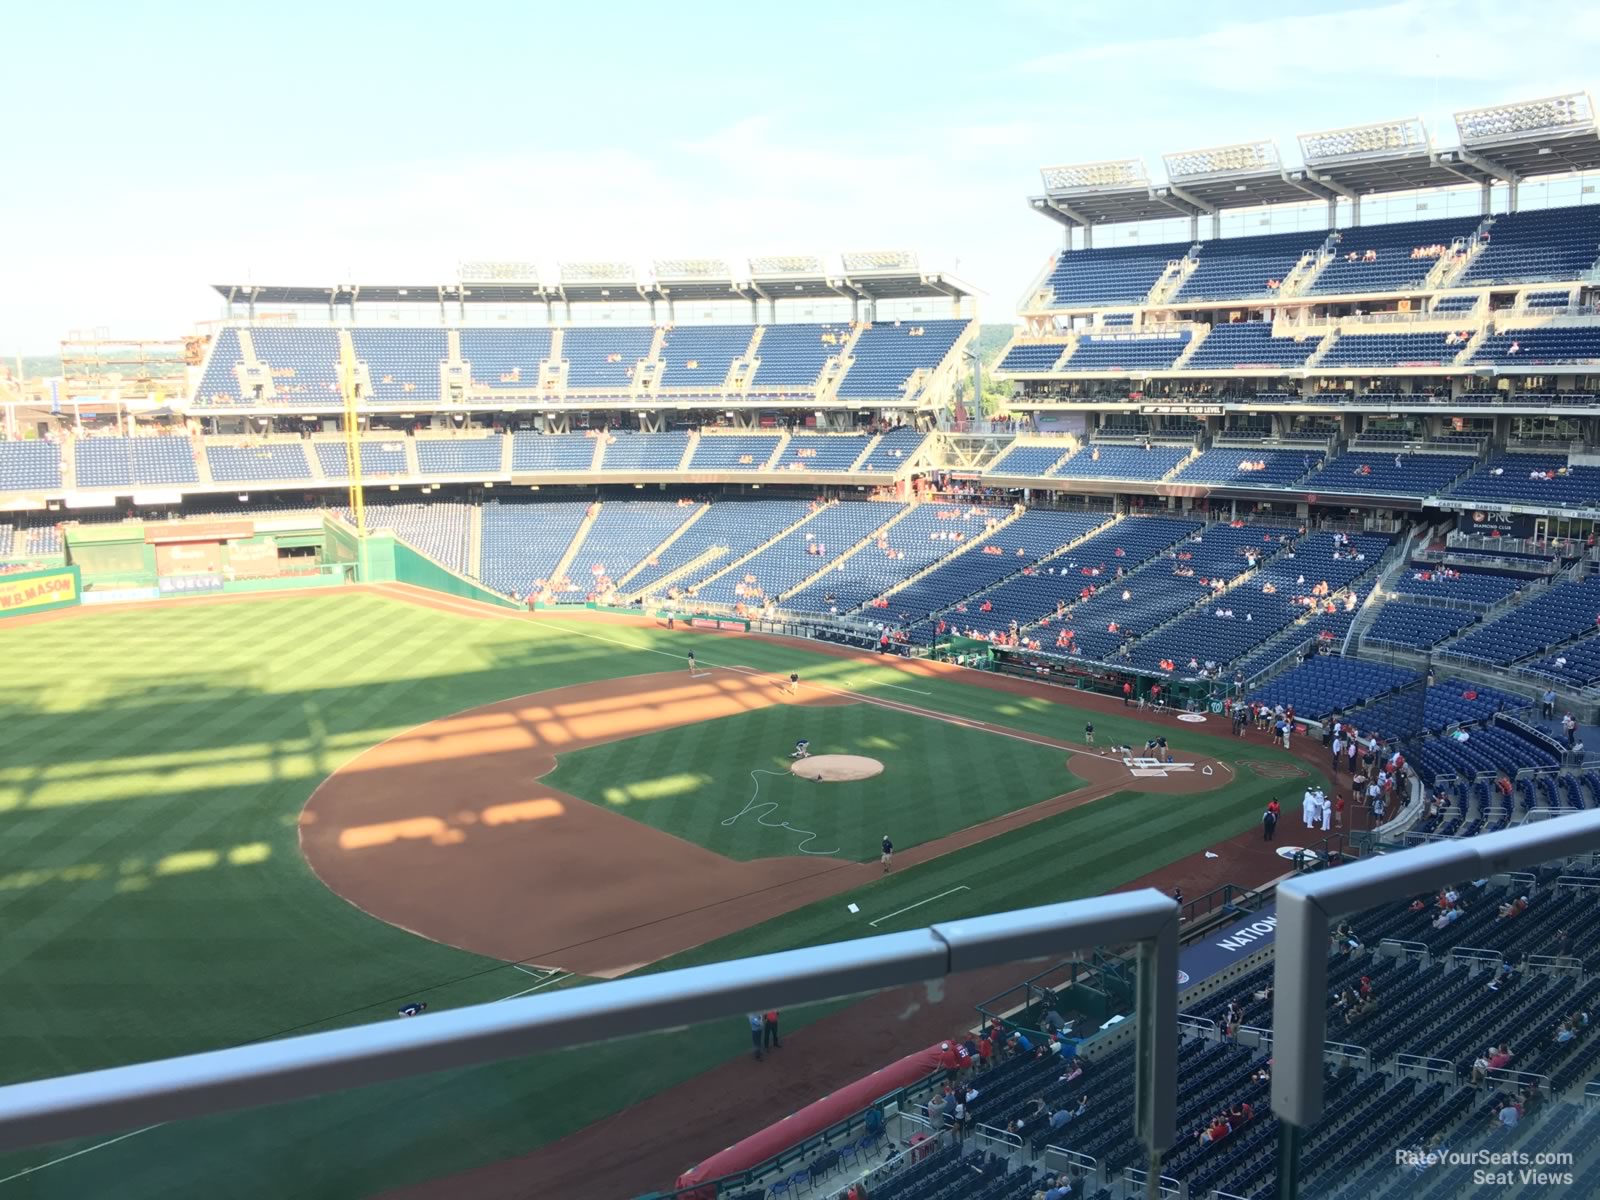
120, 1098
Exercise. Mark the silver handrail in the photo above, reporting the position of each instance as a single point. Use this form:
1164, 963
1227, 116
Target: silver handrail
98, 1102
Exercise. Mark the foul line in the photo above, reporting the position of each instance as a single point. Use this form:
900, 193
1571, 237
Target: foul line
962, 888
76, 1153
750, 805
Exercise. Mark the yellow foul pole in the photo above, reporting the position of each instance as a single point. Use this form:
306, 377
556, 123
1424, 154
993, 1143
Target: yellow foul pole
352, 437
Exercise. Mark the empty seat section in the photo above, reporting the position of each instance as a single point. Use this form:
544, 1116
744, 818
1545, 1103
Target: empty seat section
533, 452
791, 357
1416, 626
1127, 352
810, 548
621, 537
1247, 467
1327, 685
1531, 479
479, 456
1392, 350
1474, 587
1455, 304
505, 359
821, 452
219, 384
402, 364
1386, 258
29, 466
1249, 344
303, 363
1559, 299
123, 461
438, 528
1242, 267
604, 357
1390, 474
1032, 357
1111, 461
893, 450
700, 356
1538, 244
887, 355
643, 451
523, 541
733, 452
1577, 665
379, 459
1566, 611
730, 529
1120, 275
269, 460
1549, 344
1031, 460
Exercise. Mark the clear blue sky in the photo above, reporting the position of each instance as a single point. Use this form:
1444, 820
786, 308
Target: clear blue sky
157, 148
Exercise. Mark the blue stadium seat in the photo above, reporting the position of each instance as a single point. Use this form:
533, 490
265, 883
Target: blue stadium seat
887, 355
791, 357
126, 461
303, 363
1111, 461
821, 452
522, 541
402, 364
1249, 344
1127, 352
219, 385
477, 456
1392, 350
1032, 357
29, 466
505, 359
1241, 267
604, 356
1536, 245
733, 451
1394, 269
564, 452
1248, 467
893, 450
1510, 479
1120, 275
261, 462
700, 356
729, 529
625, 451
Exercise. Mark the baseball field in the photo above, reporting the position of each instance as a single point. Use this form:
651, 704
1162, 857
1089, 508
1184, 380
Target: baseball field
232, 821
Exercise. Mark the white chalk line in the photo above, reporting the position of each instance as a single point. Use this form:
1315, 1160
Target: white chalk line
78, 1153
750, 806
962, 888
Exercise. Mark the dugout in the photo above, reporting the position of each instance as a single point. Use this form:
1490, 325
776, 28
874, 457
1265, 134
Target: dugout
952, 647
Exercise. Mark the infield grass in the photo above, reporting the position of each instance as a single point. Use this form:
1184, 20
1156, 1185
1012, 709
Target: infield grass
155, 902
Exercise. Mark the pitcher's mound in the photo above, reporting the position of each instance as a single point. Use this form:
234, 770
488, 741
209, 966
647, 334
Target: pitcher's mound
836, 768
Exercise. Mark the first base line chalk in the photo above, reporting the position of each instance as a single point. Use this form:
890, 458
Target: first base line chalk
919, 904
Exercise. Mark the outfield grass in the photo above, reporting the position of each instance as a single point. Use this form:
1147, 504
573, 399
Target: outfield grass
712, 783
155, 901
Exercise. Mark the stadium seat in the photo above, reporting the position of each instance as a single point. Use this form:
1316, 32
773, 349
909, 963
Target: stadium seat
887, 355
1120, 275
258, 463
700, 356
29, 465
402, 364
505, 359
791, 357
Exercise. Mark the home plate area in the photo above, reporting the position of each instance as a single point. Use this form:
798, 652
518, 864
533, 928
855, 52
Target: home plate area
1154, 768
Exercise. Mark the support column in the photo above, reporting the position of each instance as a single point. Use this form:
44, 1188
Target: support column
1513, 188
1355, 212
1486, 201
1333, 213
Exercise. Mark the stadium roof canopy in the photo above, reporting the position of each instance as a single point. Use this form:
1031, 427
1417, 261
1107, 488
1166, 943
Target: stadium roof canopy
1501, 144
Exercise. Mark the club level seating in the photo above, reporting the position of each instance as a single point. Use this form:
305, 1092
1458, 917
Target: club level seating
1236, 467
605, 356
1455, 304
1120, 275
1098, 461
1249, 344
1510, 480
1392, 350
1127, 352
1032, 536
219, 384
786, 563
1240, 267
887, 355
733, 452
1556, 299
622, 536
532, 452
1564, 612
1031, 460
734, 526
1449, 702
1258, 614
378, 459
522, 541
700, 356
1416, 626
625, 451
126, 461
1549, 344
1537, 245
1032, 357
459, 455
1478, 587
402, 364
1122, 318
1577, 665
269, 460
793, 356
894, 449
438, 528
505, 359
1394, 269
921, 538
1390, 474
303, 363
1093, 563
821, 452
30, 465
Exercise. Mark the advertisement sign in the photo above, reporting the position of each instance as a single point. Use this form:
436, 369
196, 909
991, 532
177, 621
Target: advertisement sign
37, 591
184, 585
1230, 944
715, 623
1495, 524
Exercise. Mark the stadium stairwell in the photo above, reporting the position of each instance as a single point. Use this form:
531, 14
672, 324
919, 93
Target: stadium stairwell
202, 463
833, 563
667, 581
1058, 552
553, 371
872, 444
579, 535
777, 453
1196, 340
964, 548
689, 448
656, 553
1317, 355
599, 453
1172, 279
1301, 275
743, 369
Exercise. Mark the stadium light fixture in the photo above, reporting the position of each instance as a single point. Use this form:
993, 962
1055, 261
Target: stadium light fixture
691, 268
1111, 173
1561, 115
482, 271
786, 264
1222, 160
1404, 136
879, 260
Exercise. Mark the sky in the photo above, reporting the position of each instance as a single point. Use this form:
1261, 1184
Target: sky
153, 149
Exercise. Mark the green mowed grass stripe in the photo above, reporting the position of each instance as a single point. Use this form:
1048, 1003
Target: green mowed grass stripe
696, 781
224, 718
